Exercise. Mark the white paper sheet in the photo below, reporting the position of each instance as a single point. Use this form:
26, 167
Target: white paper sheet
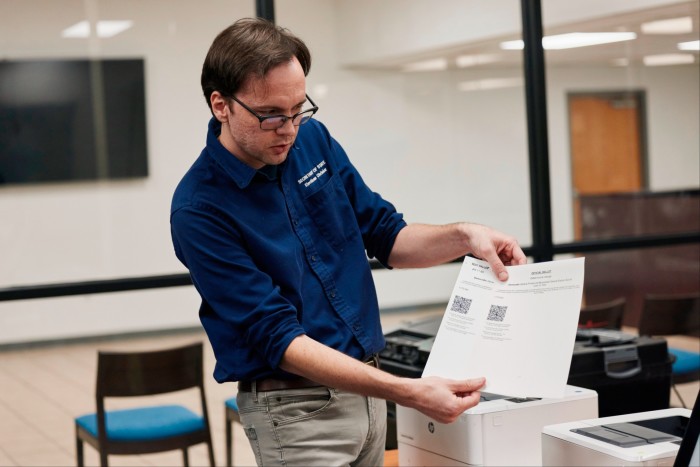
518, 334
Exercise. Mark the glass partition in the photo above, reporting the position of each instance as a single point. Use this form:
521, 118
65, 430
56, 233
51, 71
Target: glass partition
433, 117
426, 104
429, 109
114, 223
427, 98
635, 273
623, 102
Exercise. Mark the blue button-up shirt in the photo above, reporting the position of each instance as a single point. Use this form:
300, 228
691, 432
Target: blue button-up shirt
278, 254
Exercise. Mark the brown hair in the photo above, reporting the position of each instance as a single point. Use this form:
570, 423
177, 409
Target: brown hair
249, 47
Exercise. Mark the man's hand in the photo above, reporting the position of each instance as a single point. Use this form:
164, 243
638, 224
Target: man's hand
442, 399
498, 249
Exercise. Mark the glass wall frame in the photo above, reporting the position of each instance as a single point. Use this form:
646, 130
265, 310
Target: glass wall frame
536, 170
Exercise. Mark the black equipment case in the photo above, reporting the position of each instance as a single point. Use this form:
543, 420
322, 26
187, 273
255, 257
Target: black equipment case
630, 373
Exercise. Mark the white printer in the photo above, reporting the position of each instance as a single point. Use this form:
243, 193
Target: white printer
498, 431
643, 438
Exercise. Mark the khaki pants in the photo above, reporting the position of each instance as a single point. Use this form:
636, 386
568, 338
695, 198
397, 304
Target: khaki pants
313, 426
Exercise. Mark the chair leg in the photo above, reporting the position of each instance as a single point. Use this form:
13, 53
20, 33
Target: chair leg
185, 458
229, 442
675, 389
79, 454
103, 459
210, 448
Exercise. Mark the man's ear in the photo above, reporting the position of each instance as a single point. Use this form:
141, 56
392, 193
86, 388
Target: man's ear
219, 104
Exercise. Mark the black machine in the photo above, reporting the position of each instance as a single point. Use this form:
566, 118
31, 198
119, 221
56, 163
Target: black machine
405, 354
630, 373
407, 348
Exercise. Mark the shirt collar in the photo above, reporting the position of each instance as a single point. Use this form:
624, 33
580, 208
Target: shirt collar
269, 172
240, 172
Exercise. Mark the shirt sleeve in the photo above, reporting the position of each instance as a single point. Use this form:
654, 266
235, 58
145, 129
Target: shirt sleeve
228, 280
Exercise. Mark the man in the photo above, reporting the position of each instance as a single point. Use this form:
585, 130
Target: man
275, 226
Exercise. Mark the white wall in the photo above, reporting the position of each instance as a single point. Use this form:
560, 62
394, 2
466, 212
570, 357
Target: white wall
112, 229
440, 155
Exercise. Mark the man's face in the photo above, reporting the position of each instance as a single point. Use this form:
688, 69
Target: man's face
281, 92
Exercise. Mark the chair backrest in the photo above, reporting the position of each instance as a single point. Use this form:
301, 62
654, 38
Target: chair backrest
603, 315
125, 374
665, 315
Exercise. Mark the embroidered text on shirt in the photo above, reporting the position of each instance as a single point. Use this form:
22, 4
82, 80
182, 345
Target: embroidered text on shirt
312, 175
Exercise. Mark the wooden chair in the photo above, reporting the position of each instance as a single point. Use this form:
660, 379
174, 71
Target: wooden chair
232, 416
150, 428
668, 315
603, 315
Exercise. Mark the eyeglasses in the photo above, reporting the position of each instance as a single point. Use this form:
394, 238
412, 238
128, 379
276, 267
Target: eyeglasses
273, 122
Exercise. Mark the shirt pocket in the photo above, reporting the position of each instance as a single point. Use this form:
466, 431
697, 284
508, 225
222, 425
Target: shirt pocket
331, 211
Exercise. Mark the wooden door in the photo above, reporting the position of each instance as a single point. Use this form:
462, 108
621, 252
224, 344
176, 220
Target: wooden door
606, 145
606, 158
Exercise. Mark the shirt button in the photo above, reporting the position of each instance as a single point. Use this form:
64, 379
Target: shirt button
295, 222
313, 257
332, 293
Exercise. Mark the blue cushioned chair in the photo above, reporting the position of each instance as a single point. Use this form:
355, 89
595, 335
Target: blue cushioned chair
667, 315
231, 416
146, 429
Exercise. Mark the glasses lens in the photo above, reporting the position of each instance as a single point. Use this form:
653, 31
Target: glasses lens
303, 117
272, 123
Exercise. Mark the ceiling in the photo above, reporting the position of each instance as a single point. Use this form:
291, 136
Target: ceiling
488, 54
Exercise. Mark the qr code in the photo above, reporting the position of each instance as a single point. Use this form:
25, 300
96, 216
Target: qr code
461, 304
497, 313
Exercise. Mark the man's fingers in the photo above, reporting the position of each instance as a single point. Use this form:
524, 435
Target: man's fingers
497, 265
470, 385
513, 256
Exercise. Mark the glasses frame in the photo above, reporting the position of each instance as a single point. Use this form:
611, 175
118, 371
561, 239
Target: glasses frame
284, 118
